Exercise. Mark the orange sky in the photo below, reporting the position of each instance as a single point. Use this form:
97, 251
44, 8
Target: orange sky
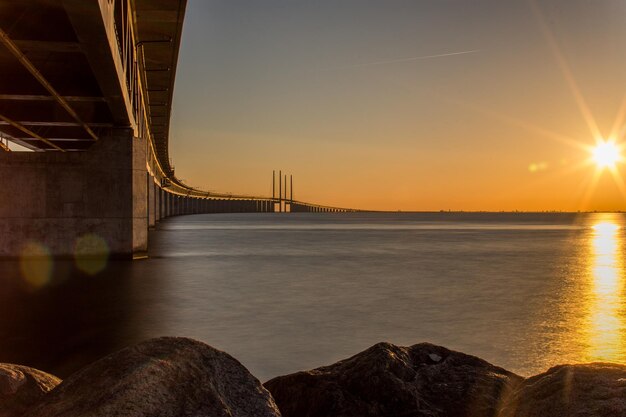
402, 105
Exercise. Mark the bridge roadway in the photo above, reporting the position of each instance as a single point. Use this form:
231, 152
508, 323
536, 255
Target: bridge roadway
88, 86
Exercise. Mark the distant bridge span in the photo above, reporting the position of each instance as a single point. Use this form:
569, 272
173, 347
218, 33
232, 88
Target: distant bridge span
88, 86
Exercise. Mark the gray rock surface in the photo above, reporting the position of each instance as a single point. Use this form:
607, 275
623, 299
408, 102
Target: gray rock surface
591, 390
21, 386
388, 380
165, 377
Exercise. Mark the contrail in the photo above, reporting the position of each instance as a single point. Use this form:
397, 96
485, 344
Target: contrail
395, 61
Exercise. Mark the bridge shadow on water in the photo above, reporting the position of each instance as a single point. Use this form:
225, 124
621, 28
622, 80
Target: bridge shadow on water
75, 318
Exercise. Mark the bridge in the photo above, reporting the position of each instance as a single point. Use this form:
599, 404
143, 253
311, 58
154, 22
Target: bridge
88, 86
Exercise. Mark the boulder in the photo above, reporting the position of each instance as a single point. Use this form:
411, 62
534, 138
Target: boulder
595, 389
389, 380
21, 386
165, 377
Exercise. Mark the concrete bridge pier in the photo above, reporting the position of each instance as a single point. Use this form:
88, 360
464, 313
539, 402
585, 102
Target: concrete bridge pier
157, 203
168, 204
76, 201
151, 201
173, 205
161, 203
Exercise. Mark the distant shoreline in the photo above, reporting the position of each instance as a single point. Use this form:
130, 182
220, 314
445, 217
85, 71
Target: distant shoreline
492, 212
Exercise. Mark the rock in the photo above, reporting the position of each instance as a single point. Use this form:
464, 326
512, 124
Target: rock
596, 389
21, 386
388, 380
163, 377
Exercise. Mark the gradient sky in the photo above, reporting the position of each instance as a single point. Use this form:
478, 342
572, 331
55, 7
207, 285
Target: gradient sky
341, 94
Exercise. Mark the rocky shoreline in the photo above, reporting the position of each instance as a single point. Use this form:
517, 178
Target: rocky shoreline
182, 377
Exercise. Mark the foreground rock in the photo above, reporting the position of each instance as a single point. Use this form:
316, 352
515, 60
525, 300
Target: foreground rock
388, 380
594, 389
166, 377
21, 386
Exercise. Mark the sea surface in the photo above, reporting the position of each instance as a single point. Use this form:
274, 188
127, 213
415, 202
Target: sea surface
287, 292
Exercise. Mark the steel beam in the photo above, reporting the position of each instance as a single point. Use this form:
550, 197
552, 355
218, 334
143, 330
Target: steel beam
58, 139
48, 46
26, 130
56, 124
36, 97
13, 48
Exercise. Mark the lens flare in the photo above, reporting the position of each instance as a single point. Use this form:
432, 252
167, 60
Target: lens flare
35, 264
91, 253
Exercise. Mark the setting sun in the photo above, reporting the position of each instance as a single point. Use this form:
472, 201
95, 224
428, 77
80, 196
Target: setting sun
606, 154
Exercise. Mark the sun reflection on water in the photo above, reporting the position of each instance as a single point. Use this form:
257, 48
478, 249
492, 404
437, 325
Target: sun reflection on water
606, 324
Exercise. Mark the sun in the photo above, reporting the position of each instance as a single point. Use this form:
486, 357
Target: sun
606, 154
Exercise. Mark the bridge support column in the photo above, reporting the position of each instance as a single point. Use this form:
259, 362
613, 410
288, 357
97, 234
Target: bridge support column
162, 203
157, 203
167, 203
151, 201
87, 202
176, 205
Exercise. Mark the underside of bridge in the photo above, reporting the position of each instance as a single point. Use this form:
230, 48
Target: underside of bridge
63, 85
87, 85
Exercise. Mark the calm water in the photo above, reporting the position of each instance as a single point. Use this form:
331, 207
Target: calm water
289, 292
